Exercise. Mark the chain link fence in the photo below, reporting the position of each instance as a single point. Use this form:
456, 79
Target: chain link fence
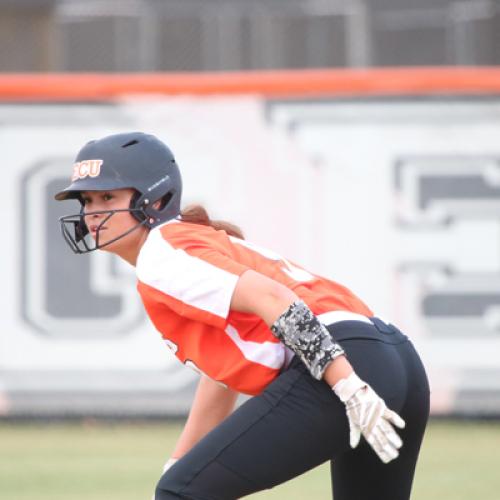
221, 35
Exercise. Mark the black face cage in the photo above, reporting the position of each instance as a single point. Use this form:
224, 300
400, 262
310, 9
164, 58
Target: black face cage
77, 236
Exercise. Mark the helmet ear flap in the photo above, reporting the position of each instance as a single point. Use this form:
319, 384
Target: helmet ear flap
155, 210
138, 214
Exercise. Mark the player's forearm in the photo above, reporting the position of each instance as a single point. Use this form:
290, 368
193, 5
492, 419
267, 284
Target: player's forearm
300, 330
257, 294
211, 405
338, 369
293, 323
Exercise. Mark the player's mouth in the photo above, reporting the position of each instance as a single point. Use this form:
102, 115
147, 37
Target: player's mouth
94, 228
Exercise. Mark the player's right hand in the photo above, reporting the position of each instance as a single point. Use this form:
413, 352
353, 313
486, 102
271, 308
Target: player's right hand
368, 415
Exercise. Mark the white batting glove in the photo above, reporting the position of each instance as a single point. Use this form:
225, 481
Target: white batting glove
368, 415
169, 463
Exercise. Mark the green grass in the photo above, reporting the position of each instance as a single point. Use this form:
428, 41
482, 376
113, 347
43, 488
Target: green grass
96, 461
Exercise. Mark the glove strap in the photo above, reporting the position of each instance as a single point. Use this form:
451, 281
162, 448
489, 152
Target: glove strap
346, 388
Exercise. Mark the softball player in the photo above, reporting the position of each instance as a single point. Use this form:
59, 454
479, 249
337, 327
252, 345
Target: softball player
320, 366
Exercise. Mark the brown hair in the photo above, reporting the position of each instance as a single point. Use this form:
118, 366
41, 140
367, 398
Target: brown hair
196, 214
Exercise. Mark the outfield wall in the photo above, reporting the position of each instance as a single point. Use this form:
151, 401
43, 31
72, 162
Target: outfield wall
394, 194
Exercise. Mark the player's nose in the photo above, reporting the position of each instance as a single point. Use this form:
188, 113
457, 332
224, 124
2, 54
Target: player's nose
93, 212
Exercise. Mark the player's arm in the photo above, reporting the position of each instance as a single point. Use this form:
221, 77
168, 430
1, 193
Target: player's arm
211, 405
298, 328
274, 303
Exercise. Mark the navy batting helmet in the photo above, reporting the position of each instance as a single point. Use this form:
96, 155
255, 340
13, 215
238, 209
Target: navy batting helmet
131, 160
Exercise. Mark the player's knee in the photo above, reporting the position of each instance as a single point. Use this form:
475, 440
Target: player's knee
166, 487
161, 494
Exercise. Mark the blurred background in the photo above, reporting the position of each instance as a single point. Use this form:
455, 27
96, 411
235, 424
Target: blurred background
221, 35
359, 138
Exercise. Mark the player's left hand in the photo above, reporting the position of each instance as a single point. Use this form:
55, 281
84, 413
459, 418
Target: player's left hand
168, 464
368, 415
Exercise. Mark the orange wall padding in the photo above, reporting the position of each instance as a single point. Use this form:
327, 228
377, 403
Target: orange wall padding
274, 84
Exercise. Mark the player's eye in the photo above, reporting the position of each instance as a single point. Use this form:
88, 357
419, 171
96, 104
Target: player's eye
107, 196
86, 200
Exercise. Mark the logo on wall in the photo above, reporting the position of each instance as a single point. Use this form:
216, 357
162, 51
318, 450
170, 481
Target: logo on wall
62, 293
449, 213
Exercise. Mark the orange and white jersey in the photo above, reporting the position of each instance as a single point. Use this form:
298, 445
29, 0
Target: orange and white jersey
187, 274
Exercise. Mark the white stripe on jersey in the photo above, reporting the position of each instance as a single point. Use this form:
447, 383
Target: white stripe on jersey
331, 317
189, 279
270, 354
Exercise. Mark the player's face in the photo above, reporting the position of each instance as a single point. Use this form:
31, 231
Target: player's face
109, 228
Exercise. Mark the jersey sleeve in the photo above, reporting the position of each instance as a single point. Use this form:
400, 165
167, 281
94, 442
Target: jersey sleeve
196, 282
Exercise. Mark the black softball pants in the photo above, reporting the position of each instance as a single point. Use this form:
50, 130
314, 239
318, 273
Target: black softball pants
298, 423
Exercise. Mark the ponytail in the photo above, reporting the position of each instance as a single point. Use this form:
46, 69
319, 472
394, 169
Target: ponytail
196, 214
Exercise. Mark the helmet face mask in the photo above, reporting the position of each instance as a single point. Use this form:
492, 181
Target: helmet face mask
132, 160
77, 236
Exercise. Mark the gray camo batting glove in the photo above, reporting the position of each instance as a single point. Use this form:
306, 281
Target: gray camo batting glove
368, 415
